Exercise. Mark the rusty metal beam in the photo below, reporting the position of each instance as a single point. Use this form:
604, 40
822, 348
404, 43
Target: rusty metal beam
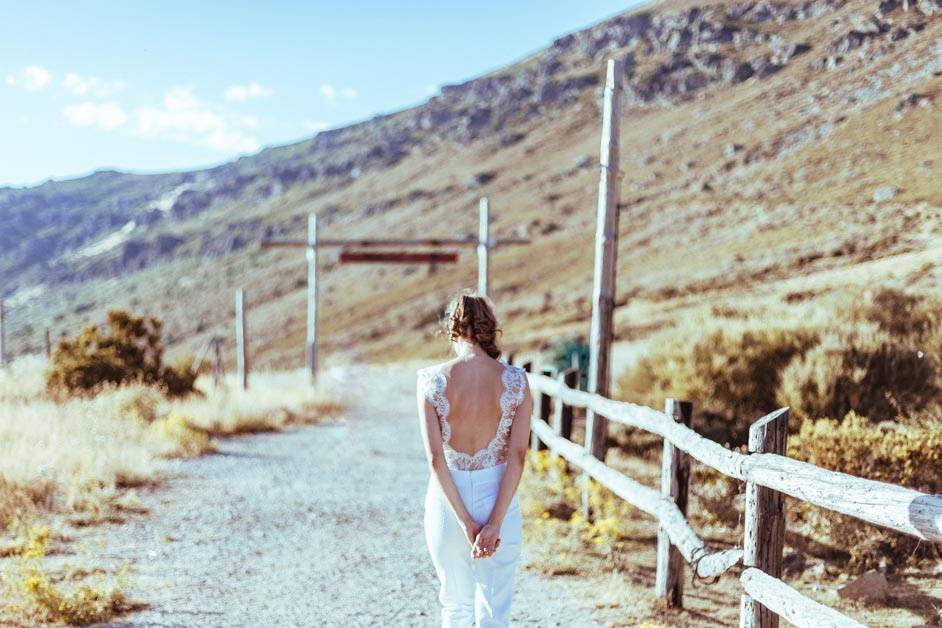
398, 257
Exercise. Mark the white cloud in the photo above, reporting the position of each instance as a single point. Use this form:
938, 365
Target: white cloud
32, 78
241, 93
106, 117
329, 92
182, 117
81, 85
333, 95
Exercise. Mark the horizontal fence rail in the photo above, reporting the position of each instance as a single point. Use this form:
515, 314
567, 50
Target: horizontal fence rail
707, 563
901, 509
790, 604
904, 510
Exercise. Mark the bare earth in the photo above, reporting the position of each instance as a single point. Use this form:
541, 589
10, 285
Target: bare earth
320, 526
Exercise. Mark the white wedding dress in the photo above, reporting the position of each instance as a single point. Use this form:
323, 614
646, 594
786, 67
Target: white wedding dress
474, 592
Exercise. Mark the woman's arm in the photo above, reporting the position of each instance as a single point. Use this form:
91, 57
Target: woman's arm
489, 536
435, 453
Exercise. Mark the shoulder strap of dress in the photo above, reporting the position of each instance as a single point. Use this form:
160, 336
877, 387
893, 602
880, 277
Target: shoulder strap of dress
514, 379
432, 385
522, 379
425, 383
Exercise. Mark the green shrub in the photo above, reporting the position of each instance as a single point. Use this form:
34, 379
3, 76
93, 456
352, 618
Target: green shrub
564, 352
890, 452
129, 350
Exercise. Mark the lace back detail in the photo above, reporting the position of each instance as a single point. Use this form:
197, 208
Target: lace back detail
433, 384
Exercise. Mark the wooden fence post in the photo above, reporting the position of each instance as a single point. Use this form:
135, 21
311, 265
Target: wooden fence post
484, 244
764, 537
537, 400
3, 353
675, 476
541, 409
218, 370
310, 354
48, 338
606, 249
242, 357
562, 414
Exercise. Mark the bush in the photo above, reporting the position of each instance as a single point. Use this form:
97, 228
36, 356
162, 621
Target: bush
129, 351
889, 452
562, 353
47, 602
902, 314
862, 370
884, 361
178, 379
731, 370
187, 440
880, 356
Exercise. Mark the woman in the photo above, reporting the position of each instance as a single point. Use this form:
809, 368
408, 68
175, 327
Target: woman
475, 417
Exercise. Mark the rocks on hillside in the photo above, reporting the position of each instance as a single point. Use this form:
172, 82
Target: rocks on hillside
885, 193
860, 32
669, 56
870, 587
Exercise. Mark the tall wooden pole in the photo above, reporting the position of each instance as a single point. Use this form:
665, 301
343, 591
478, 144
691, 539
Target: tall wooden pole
242, 356
3, 354
675, 477
218, 370
764, 534
484, 227
606, 249
48, 338
311, 349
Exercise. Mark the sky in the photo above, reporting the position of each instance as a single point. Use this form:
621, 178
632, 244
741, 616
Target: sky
171, 85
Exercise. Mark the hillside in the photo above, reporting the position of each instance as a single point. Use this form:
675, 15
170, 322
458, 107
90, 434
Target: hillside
772, 152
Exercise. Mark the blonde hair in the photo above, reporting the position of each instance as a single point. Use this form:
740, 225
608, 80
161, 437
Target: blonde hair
471, 317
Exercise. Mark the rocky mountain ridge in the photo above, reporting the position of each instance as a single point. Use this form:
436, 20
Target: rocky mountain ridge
62, 235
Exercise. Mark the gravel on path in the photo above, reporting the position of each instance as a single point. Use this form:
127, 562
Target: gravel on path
321, 526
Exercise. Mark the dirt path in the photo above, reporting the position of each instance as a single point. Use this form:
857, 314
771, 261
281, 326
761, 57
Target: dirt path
320, 526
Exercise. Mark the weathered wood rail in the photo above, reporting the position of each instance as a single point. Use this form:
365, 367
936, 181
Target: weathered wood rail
768, 477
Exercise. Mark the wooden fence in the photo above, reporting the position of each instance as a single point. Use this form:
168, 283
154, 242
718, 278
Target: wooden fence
768, 475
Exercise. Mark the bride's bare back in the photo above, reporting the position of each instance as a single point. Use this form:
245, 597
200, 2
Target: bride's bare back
476, 399
474, 392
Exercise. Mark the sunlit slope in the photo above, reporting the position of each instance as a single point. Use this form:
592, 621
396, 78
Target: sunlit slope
748, 190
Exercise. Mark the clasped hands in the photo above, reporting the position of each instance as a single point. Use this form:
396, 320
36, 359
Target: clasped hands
484, 539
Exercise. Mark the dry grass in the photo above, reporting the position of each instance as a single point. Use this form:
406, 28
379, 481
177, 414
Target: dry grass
76, 461
66, 453
71, 454
273, 401
34, 596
